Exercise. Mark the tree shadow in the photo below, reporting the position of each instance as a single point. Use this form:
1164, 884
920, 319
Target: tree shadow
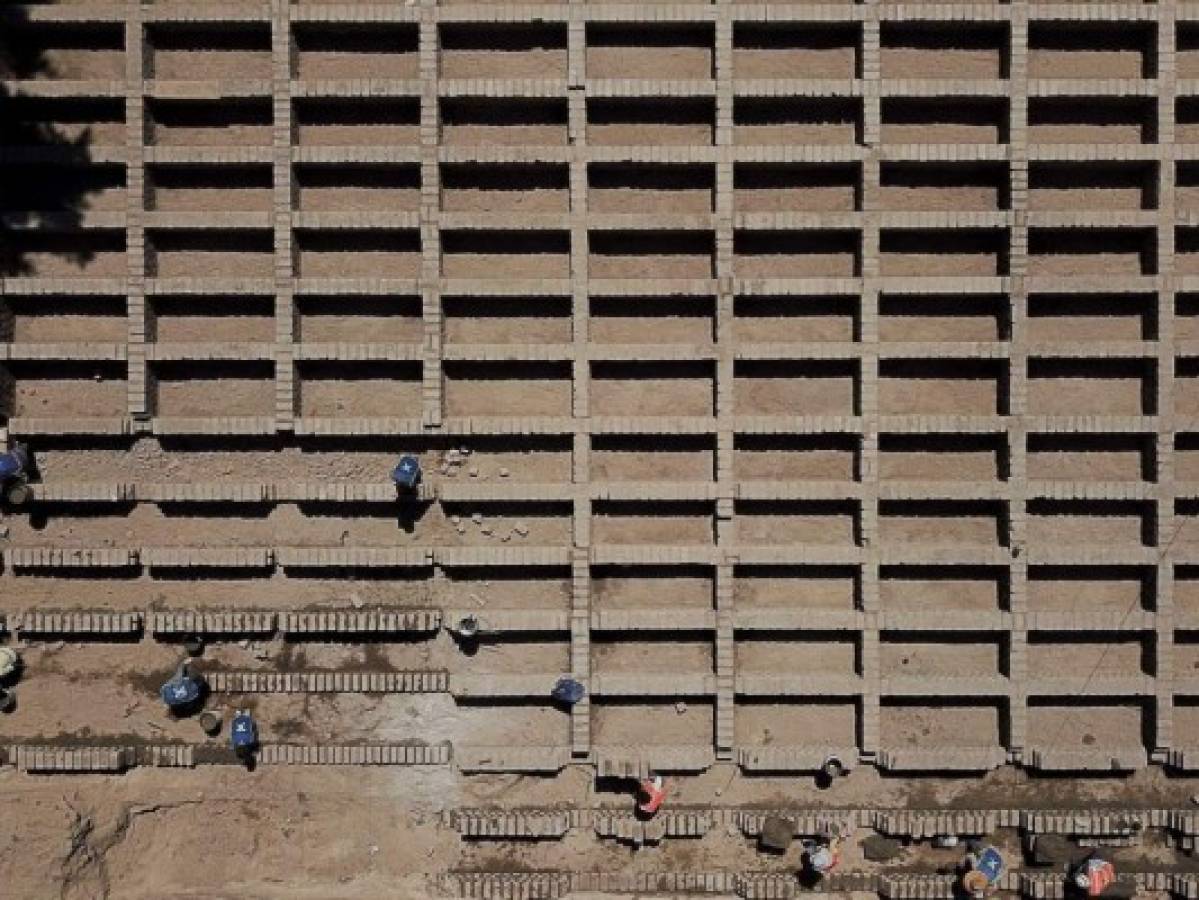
45, 169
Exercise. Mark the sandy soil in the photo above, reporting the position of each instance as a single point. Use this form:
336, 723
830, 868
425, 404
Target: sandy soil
360, 390
798, 587
648, 460
940, 62
352, 319
927, 727
939, 660
788, 458
904, 589
795, 724
646, 588
790, 656
779, 319
908, 525
672, 524
682, 392
794, 523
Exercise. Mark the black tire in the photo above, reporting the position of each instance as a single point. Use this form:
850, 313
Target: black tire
8, 700
194, 645
211, 723
18, 493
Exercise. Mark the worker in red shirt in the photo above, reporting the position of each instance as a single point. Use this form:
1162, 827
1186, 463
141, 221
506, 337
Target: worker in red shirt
1093, 875
652, 792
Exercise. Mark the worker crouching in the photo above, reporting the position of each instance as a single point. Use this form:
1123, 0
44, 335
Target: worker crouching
1093, 876
243, 736
651, 792
983, 867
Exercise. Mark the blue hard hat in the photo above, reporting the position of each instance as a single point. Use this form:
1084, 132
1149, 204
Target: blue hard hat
990, 863
10, 465
407, 472
243, 732
180, 691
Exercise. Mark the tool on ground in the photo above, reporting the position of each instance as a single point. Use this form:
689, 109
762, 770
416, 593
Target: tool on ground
652, 792
243, 734
406, 474
1093, 875
183, 689
468, 627
14, 475
568, 691
832, 767
984, 868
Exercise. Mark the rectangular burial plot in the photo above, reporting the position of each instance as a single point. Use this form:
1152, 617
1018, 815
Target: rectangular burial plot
796, 50
642, 188
945, 120
195, 51
824, 121
796, 457
1186, 590
652, 320
1186, 531
652, 457
944, 187
962, 387
1094, 186
215, 253
1091, 589
505, 188
502, 587
533, 722
502, 121
822, 253
1072, 318
63, 389
1186, 723
54, 318
502, 50
650, 254
633, 723
796, 587
66, 50
797, 187
943, 522
1186, 57
948, 589
88, 121
797, 522
622, 122
965, 252
506, 320
1090, 723
1186, 456
797, 653
1105, 387
1090, 523
1186, 185
943, 50
775, 387
354, 188
1091, 50
652, 587
353, 50
942, 724
661, 523
1186, 317
198, 389
651, 50
910, 654
1186, 251
667, 388
517, 655
61, 187
1060, 456
1093, 120
340, 389
678, 653
943, 317
223, 188
355, 318
357, 253
505, 254
795, 722
195, 319
977, 458
529, 458
797, 318
514, 389
228, 122
353, 122
62, 254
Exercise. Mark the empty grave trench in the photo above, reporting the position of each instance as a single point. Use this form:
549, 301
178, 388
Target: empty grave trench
1060, 387
1186, 531
793, 50
796, 187
943, 589
1090, 523
1091, 50
1088, 724
796, 587
782, 319
502, 50
621, 122
624, 722
943, 50
786, 653
342, 121
1186, 456
956, 252
652, 320
1186, 722
942, 457
66, 50
195, 51
665, 388
353, 188
201, 389
55, 187
188, 319
795, 722
659, 457
359, 318
944, 120
164, 525
943, 522
943, 187
1097, 185
350, 50
945, 723
242, 122
823, 253
1186, 589
794, 457
650, 254
56, 318
505, 254
1186, 317
507, 389
500, 587
1090, 589
676, 653
638, 188
516, 655
1094, 120
934, 655
1186, 56
1186, 251
824, 121
357, 253
223, 188
506, 320
662, 523
472, 121
528, 458
1186, 119
94, 253
968, 387
1186, 185
795, 388
650, 50
792, 522
505, 188
342, 389
94, 121
63, 389
508, 724
1090, 457
1185, 654
214, 253
1091, 317
652, 587
501, 524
